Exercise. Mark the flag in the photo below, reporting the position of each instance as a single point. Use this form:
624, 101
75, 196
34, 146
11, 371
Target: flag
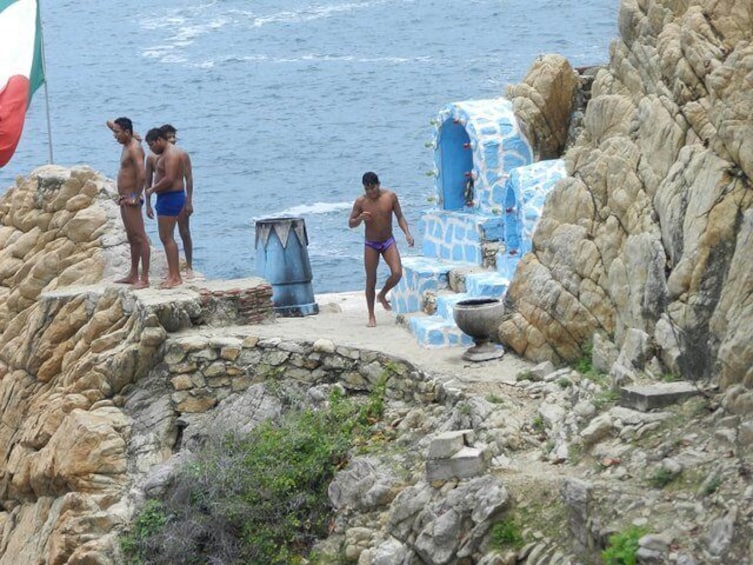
21, 71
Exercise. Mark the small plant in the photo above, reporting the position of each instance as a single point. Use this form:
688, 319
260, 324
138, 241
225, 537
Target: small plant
712, 486
564, 382
373, 410
584, 364
623, 547
575, 452
505, 534
605, 398
527, 376
538, 424
149, 523
464, 408
669, 378
494, 399
662, 477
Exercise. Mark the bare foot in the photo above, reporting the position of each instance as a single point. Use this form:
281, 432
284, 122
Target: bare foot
171, 283
372, 322
127, 280
141, 283
384, 302
189, 274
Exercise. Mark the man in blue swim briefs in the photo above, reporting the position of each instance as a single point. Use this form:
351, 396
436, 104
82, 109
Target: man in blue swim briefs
184, 218
171, 198
375, 208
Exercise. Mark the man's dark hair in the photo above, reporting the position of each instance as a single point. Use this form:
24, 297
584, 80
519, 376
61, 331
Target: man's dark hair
167, 129
125, 124
154, 134
370, 179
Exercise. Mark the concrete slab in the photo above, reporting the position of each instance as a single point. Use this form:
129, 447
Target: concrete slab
656, 395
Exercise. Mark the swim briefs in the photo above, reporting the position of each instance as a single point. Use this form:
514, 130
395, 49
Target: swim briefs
170, 203
380, 246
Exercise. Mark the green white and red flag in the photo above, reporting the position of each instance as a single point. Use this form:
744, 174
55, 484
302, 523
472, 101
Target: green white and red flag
21, 70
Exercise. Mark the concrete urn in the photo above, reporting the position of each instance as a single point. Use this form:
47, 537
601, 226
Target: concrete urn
480, 318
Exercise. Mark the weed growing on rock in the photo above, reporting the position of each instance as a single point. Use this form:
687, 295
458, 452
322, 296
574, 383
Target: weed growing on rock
527, 376
538, 424
255, 498
494, 399
604, 399
149, 523
505, 535
662, 477
622, 547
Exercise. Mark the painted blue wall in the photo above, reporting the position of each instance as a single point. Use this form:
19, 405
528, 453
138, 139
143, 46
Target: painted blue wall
455, 160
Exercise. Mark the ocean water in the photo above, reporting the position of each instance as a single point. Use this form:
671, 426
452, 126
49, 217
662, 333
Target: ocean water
283, 104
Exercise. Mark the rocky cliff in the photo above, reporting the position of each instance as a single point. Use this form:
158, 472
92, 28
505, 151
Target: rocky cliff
643, 252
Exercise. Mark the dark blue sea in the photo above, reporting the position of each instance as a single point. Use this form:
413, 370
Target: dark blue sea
283, 104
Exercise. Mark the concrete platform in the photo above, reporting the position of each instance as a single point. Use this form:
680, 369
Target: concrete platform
342, 319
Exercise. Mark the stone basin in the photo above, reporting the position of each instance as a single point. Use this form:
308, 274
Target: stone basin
480, 318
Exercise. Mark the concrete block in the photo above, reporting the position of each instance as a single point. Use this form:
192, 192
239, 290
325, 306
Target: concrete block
656, 395
447, 444
466, 463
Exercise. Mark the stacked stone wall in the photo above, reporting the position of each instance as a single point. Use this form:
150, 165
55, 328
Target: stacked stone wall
203, 369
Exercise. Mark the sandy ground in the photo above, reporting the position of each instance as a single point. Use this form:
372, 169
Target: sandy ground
342, 318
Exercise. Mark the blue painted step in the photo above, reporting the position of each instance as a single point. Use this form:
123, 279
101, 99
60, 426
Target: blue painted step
487, 284
421, 275
436, 331
446, 304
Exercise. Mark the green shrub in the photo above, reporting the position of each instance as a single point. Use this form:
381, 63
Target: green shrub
148, 523
605, 398
711, 486
505, 534
494, 399
662, 477
622, 547
259, 498
527, 376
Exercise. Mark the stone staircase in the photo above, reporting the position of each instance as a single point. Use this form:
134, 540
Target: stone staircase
488, 197
425, 298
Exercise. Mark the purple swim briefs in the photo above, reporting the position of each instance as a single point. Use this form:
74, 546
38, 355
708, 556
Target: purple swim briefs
380, 246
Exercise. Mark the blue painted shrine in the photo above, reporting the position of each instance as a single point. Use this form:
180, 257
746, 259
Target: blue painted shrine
488, 197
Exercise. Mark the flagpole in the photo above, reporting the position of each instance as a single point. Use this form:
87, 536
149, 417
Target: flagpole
46, 92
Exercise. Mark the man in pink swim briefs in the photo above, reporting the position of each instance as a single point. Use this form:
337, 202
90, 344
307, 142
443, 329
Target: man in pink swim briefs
171, 197
375, 208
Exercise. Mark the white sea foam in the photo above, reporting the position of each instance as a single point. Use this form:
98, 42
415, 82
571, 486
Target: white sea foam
311, 13
310, 58
311, 209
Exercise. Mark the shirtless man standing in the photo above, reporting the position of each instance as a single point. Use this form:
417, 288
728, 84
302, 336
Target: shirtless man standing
130, 185
184, 227
375, 209
171, 199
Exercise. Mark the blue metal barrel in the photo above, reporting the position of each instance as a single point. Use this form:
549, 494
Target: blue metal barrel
282, 259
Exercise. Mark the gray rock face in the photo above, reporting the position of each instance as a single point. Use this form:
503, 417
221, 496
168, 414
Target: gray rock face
650, 233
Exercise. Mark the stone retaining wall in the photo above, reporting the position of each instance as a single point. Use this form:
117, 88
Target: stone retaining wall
204, 369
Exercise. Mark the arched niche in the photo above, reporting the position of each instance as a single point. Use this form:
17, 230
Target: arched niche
455, 164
